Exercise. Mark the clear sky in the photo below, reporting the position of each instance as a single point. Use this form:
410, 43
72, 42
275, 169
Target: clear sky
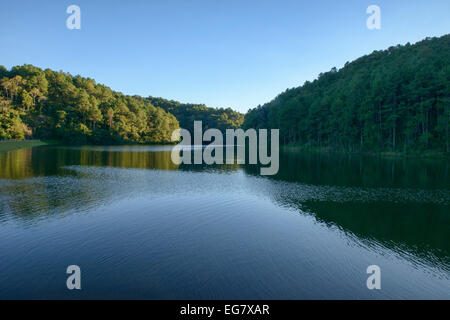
233, 53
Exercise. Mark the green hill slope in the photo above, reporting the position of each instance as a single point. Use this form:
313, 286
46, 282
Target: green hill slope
44, 104
392, 100
187, 113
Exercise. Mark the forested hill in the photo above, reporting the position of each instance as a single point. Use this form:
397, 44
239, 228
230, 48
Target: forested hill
185, 113
45, 104
392, 100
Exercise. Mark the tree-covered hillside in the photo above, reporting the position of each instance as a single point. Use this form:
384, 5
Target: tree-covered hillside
55, 105
392, 100
186, 113
45, 104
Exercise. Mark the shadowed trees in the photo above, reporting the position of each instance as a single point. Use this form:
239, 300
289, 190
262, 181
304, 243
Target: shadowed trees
392, 100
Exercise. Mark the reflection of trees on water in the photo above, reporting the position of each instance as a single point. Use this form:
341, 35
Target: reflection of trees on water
45, 161
364, 196
418, 228
40, 182
402, 204
360, 171
27, 163
16, 164
36, 181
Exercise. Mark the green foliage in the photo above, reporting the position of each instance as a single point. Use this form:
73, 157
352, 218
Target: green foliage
392, 100
11, 127
186, 114
55, 105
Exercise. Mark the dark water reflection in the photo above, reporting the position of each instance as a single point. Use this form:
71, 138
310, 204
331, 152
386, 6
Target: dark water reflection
362, 171
142, 227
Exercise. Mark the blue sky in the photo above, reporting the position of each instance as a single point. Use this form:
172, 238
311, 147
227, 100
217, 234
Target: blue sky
230, 53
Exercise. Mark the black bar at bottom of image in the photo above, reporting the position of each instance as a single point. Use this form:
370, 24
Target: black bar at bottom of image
228, 309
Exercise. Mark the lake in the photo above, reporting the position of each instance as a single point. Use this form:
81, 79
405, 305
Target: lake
141, 227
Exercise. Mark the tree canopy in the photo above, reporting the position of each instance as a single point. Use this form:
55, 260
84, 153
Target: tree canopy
392, 100
56, 105
187, 113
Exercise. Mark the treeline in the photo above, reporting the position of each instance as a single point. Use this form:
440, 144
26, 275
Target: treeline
392, 100
187, 113
44, 104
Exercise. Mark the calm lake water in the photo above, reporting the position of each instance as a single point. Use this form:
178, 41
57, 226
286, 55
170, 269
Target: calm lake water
141, 227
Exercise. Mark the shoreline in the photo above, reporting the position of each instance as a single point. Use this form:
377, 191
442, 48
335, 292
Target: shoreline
11, 145
386, 154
